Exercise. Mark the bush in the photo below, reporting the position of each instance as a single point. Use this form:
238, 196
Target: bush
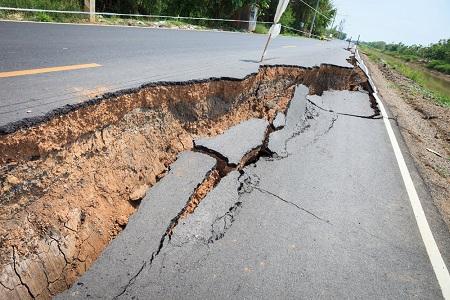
444, 68
261, 28
440, 66
43, 17
433, 64
44, 4
288, 18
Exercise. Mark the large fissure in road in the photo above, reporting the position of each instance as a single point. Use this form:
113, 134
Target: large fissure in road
70, 180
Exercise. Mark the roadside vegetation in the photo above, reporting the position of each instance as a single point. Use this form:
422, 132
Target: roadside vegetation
298, 15
261, 29
428, 84
436, 56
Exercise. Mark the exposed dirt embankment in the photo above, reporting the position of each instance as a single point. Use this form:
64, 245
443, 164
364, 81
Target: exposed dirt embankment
69, 184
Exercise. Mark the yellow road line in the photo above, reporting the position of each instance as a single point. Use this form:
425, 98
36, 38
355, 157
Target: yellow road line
289, 46
47, 70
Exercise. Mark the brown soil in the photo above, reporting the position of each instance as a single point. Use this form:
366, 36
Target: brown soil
424, 125
69, 185
203, 189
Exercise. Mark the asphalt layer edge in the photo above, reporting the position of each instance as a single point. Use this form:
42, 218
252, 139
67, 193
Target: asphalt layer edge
110, 96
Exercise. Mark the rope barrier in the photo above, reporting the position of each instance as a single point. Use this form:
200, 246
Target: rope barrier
126, 15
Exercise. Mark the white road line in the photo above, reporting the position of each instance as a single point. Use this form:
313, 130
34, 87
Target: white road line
439, 267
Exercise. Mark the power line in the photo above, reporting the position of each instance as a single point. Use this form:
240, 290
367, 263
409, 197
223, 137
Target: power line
301, 31
314, 9
314, 18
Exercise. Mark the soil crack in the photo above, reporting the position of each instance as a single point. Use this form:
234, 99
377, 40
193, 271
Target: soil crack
18, 275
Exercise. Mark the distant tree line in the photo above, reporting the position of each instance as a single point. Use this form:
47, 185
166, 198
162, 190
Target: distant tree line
436, 56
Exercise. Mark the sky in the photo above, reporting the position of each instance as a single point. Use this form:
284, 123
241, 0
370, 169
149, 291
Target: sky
408, 21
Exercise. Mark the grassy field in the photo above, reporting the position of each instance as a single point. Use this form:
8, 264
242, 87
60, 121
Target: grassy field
430, 85
437, 65
435, 56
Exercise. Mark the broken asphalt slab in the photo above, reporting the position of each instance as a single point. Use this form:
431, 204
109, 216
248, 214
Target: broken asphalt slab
191, 238
237, 141
212, 216
279, 121
295, 235
145, 233
349, 103
314, 223
295, 114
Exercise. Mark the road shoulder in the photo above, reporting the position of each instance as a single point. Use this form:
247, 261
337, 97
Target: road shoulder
422, 125
417, 134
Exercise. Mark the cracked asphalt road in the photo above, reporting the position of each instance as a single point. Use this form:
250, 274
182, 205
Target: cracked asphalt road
130, 57
326, 216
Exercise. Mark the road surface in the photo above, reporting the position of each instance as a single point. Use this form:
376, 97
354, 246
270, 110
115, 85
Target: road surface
326, 216
129, 57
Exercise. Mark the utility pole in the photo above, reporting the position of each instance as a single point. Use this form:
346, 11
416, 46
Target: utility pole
89, 6
314, 18
341, 28
332, 24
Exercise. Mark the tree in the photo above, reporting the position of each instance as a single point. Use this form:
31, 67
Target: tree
297, 15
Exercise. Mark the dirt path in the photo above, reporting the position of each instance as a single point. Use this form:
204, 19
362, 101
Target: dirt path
425, 127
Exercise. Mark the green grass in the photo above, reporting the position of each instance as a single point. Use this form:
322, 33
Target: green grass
443, 172
261, 29
437, 65
440, 66
69, 5
43, 17
81, 18
177, 23
43, 4
371, 54
444, 68
405, 57
426, 86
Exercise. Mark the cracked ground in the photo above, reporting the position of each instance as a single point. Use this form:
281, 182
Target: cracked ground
301, 218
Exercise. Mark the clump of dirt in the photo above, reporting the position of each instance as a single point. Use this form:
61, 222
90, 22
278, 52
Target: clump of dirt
69, 184
424, 124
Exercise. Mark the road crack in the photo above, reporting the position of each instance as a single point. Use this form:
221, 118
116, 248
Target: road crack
292, 204
189, 208
223, 223
375, 116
